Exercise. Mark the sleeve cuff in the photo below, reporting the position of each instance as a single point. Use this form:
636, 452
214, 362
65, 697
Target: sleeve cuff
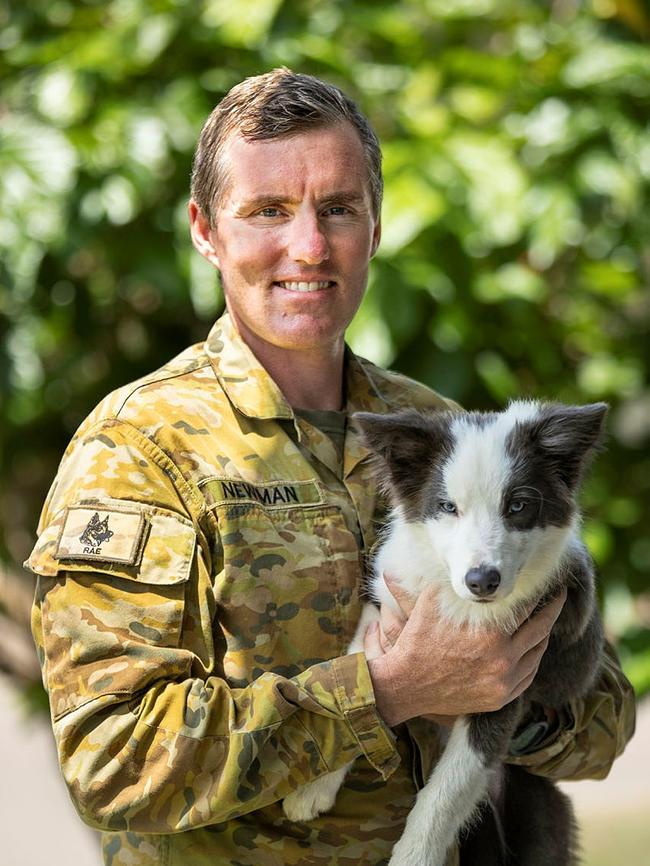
592, 731
539, 731
356, 699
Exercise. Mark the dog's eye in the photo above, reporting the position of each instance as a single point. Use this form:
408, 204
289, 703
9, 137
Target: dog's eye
448, 507
517, 506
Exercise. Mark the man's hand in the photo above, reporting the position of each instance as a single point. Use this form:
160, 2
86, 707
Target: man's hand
422, 667
381, 637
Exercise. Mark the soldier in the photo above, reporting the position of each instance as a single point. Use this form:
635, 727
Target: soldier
201, 550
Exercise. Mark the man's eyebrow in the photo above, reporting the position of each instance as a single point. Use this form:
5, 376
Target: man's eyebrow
344, 197
264, 199
267, 199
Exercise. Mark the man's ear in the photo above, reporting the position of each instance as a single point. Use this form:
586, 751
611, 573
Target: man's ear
376, 237
202, 234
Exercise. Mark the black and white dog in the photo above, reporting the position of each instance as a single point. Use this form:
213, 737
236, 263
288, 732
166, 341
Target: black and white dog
485, 505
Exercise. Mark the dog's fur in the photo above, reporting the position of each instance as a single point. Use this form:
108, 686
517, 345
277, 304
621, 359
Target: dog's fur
484, 506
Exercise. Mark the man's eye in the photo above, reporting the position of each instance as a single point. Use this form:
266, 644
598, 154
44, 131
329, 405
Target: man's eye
448, 507
337, 210
269, 212
517, 506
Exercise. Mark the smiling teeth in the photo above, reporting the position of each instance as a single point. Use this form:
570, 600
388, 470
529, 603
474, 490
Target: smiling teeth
305, 287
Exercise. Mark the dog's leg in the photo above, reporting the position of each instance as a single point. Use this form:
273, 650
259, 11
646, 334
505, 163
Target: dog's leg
448, 800
310, 800
369, 614
539, 822
319, 796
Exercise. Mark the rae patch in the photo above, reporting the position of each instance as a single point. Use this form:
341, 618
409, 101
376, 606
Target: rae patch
98, 533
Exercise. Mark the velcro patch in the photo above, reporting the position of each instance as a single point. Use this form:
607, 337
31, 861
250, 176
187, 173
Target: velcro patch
101, 534
274, 494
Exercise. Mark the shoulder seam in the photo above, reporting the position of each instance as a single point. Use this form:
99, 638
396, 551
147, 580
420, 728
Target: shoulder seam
152, 380
191, 495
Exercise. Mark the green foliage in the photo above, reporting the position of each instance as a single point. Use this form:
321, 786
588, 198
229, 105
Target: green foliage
515, 255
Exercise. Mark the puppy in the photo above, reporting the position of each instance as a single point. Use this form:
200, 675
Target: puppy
485, 504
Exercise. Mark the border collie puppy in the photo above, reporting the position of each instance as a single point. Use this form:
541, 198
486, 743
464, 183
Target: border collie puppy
484, 506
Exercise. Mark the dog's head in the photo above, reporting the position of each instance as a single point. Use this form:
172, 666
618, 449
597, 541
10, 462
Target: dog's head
496, 491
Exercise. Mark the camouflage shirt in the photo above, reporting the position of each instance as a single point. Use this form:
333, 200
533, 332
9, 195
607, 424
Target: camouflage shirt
199, 562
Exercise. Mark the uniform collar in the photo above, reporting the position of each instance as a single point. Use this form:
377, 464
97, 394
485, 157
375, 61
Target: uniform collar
255, 394
247, 384
363, 395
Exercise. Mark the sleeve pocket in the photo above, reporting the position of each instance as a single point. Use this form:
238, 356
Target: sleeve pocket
154, 546
113, 627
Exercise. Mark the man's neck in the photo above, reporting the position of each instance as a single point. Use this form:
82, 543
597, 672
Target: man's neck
317, 386
308, 380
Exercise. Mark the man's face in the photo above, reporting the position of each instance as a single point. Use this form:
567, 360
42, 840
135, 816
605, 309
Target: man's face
293, 234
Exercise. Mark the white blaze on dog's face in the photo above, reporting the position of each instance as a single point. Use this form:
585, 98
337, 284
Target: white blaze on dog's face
488, 518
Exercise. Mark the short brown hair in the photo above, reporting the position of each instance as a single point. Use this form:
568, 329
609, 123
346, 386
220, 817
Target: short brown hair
276, 104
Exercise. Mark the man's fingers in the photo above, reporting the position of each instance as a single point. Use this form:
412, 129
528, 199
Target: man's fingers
535, 629
530, 660
521, 687
391, 624
371, 642
405, 601
384, 642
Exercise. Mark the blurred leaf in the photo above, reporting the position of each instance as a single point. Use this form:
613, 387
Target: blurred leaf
410, 205
510, 281
495, 186
615, 65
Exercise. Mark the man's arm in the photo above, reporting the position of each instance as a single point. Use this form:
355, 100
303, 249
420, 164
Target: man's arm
423, 670
150, 737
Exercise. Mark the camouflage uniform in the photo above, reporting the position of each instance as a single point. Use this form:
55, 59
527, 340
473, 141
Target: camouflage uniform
199, 561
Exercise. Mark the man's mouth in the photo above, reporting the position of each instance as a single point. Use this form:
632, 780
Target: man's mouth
303, 286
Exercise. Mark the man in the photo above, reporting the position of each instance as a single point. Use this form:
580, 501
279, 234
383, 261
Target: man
201, 552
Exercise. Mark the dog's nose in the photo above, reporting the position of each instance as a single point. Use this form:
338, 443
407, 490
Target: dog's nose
483, 580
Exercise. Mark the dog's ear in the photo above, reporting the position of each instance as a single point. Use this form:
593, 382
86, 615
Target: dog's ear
406, 442
570, 436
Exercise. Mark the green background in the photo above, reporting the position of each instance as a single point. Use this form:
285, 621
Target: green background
515, 254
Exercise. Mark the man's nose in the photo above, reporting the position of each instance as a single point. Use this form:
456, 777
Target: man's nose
308, 242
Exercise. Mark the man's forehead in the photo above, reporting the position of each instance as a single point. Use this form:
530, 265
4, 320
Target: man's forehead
330, 158
342, 131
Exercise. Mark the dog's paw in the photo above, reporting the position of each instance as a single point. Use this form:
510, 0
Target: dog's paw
311, 800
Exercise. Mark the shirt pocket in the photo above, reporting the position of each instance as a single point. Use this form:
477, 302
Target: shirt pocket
288, 590
110, 626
